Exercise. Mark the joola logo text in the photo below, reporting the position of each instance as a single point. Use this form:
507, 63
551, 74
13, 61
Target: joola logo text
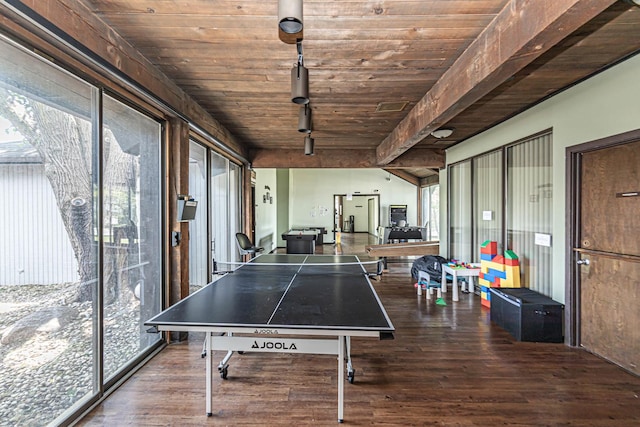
266, 331
269, 345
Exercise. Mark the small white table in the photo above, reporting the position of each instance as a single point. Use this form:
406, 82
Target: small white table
458, 272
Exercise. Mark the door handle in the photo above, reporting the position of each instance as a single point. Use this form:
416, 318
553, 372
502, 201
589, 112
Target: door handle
582, 262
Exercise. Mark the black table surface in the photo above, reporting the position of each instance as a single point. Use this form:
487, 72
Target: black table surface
302, 291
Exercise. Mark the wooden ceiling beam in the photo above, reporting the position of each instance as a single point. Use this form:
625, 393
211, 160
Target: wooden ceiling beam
404, 175
352, 159
519, 34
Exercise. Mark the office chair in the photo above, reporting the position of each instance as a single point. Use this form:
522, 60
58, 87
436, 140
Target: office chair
245, 246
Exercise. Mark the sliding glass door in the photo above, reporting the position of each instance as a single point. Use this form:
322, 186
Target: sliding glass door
81, 269
199, 258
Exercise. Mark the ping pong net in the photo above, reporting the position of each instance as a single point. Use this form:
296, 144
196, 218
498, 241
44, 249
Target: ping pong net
325, 265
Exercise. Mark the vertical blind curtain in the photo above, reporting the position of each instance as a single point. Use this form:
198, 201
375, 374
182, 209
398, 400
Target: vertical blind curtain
460, 211
529, 209
488, 213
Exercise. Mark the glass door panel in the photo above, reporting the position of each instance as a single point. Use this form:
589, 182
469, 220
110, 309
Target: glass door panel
131, 231
49, 262
219, 211
198, 230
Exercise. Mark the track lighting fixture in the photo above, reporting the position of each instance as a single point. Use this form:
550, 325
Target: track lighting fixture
308, 145
304, 119
300, 80
290, 16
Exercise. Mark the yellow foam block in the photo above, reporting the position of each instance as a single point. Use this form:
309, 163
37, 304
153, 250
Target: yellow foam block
513, 276
483, 295
483, 282
494, 265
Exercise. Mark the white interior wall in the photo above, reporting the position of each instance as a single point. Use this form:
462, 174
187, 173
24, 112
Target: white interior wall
604, 105
311, 194
266, 213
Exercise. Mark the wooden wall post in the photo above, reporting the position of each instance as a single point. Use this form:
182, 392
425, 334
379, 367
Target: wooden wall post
178, 183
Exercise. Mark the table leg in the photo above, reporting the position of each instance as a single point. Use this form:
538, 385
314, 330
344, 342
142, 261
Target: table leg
209, 372
443, 281
454, 285
351, 373
471, 284
341, 340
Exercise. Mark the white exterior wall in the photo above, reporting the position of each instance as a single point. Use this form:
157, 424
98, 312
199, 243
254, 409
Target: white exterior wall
34, 245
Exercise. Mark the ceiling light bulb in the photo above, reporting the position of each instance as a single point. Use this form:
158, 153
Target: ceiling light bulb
442, 133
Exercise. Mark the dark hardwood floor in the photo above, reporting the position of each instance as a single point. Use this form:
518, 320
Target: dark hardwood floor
448, 365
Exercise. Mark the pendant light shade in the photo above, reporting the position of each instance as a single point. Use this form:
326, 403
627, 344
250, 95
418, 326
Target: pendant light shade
300, 84
304, 119
308, 145
290, 16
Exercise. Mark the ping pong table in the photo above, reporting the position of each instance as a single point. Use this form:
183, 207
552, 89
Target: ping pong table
308, 304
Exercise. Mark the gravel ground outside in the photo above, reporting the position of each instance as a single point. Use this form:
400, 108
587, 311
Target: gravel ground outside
46, 350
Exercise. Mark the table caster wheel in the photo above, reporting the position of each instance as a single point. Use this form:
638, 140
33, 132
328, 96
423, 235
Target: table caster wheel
224, 372
351, 375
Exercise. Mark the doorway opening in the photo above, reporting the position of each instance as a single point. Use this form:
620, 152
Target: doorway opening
357, 213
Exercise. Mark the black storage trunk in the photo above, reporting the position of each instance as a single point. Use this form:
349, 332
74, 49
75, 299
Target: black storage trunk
527, 315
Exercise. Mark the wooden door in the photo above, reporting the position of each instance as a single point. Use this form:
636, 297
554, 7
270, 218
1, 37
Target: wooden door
609, 254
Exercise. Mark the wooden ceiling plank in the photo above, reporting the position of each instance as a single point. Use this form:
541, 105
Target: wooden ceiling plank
520, 33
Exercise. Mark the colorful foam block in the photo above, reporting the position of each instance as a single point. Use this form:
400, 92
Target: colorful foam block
485, 257
484, 283
498, 273
494, 265
489, 247
509, 254
511, 262
489, 277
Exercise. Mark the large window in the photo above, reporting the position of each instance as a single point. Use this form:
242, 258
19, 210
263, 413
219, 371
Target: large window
80, 226
487, 203
529, 209
460, 211
431, 211
216, 183
512, 200
131, 223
